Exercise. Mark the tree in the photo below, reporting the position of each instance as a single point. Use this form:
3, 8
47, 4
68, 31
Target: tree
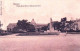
56, 25
63, 23
0, 27
25, 25
44, 28
0, 24
64, 19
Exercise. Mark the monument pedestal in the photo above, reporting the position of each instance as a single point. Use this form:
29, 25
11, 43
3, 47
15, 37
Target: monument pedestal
51, 28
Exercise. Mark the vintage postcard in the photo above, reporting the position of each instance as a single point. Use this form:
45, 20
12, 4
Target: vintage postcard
39, 25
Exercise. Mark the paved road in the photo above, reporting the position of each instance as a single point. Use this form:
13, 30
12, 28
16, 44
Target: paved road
40, 43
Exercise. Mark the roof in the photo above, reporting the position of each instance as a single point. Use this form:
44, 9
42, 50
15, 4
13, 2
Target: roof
40, 25
11, 25
33, 22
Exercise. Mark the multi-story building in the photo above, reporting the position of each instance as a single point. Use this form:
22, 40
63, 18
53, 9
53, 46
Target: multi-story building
38, 27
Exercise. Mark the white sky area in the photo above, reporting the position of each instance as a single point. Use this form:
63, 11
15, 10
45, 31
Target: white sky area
55, 9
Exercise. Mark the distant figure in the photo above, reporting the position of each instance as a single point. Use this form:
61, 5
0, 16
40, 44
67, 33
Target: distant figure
63, 34
66, 33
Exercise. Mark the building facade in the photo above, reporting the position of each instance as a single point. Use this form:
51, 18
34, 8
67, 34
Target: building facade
11, 26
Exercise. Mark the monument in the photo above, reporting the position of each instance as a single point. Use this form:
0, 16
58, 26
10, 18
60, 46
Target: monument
51, 28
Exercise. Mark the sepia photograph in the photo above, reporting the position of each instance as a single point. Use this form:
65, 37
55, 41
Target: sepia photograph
39, 25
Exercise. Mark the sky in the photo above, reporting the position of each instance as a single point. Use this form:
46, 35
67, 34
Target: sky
55, 9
